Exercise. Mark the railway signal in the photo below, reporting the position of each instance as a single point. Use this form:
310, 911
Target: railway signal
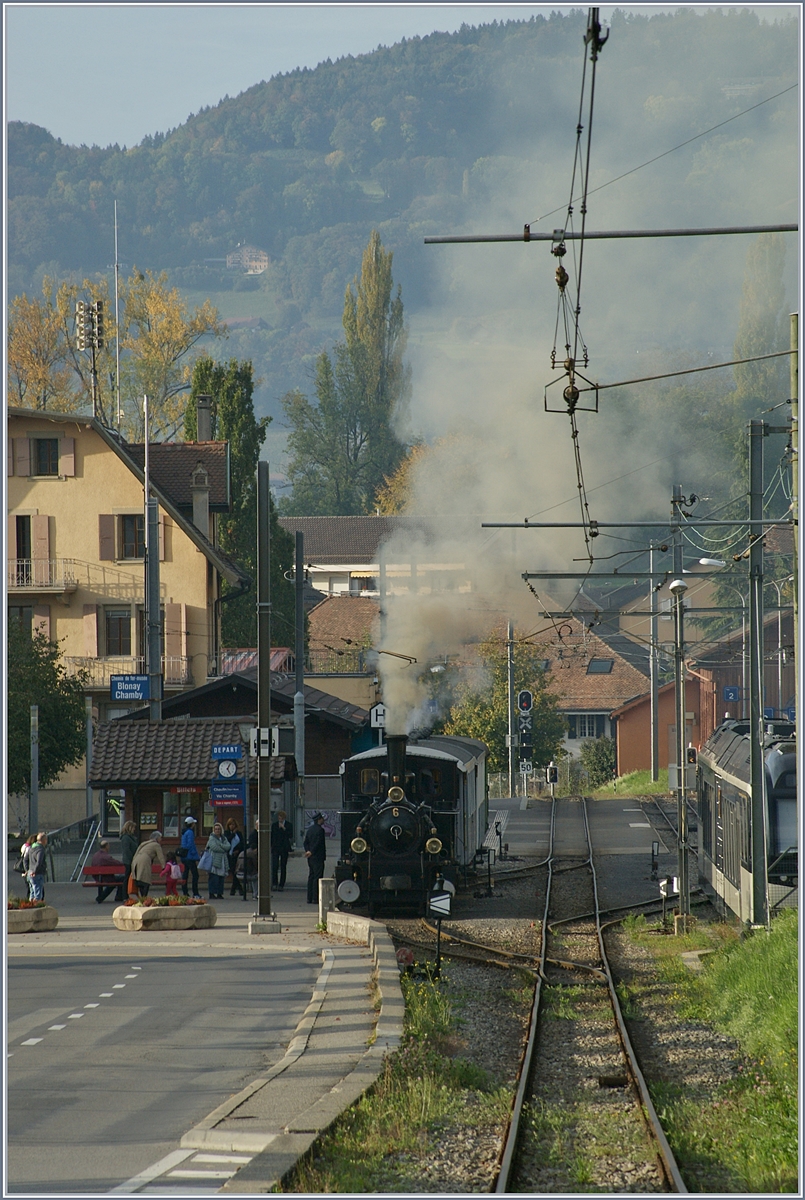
525, 701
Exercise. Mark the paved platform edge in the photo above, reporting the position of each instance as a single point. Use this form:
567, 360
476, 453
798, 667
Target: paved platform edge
274, 1162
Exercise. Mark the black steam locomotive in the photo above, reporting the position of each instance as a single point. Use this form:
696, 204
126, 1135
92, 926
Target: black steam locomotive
412, 812
724, 805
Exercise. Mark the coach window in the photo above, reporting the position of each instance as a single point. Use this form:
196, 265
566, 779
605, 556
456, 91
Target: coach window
370, 781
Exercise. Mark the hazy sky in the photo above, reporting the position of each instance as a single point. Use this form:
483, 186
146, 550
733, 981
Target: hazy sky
106, 73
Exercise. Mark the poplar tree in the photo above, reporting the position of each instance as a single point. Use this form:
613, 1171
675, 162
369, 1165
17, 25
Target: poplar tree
344, 445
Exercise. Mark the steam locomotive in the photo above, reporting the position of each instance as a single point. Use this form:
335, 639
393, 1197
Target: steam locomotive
413, 813
724, 806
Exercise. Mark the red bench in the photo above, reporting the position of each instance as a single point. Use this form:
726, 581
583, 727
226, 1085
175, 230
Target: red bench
109, 876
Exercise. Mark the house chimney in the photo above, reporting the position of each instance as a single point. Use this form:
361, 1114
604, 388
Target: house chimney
203, 419
200, 491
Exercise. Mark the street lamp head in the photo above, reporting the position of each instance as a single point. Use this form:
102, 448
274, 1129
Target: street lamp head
712, 562
677, 587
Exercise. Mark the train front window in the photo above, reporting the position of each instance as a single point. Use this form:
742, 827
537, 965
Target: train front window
430, 783
370, 781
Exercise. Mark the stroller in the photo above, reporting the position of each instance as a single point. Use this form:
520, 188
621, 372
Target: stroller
251, 870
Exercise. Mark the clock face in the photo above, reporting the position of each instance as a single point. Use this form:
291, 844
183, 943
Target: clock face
227, 768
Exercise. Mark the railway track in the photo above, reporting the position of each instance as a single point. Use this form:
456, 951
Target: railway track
581, 1083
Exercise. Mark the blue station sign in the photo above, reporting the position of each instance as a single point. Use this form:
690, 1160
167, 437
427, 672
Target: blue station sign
129, 687
228, 792
227, 750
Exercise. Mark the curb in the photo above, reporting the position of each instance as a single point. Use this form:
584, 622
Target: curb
285, 1148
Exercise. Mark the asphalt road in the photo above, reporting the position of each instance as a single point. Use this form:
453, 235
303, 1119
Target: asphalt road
111, 1060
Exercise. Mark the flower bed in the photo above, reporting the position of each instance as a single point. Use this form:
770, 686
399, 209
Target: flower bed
165, 912
31, 916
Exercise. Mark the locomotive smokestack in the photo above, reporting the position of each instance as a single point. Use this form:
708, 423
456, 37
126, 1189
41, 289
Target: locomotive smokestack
396, 743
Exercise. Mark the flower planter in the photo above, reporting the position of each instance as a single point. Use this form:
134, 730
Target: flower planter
32, 920
182, 916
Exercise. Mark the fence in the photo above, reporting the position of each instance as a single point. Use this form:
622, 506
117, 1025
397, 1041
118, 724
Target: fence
70, 846
532, 785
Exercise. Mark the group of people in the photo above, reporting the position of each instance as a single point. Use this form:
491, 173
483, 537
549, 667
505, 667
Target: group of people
230, 853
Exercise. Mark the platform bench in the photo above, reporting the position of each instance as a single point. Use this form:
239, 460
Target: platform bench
111, 876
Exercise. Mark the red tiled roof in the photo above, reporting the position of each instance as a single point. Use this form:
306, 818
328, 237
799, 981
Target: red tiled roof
342, 619
345, 539
171, 465
578, 691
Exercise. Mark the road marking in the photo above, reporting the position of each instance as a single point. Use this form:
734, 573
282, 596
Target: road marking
151, 1173
118, 985
31, 1042
130, 976
94, 1005
639, 825
182, 1173
74, 1016
106, 995
240, 1159
57, 1026
136, 968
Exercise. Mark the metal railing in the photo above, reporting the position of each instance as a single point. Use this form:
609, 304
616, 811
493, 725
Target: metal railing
29, 574
69, 847
349, 661
176, 668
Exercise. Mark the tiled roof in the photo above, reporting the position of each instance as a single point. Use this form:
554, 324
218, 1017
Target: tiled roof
569, 680
166, 753
339, 618
171, 465
331, 540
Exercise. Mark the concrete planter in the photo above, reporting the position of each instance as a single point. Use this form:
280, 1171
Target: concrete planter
180, 916
32, 920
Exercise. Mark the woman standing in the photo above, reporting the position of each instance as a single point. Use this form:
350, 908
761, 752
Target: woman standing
190, 856
236, 845
128, 848
218, 847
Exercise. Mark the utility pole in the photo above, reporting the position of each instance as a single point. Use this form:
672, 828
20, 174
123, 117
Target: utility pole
265, 921
653, 673
794, 397
88, 718
33, 798
510, 694
757, 770
117, 328
153, 622
678, 588
299, 695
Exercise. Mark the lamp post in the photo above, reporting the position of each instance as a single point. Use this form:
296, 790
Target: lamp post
678, 587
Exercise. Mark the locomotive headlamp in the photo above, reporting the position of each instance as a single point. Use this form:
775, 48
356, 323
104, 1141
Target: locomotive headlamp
359, 845
396, 793
433, 845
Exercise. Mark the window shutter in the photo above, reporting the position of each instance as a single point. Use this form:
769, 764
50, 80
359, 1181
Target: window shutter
106, 537
67, 456
571, 726
10, 456
91, 630
174, 630
161, 538
12, 538
41, 619
40, 538
22, 456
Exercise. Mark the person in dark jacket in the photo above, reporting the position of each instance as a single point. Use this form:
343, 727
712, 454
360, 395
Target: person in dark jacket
237, 844
191, 857
102, 858
315, 845
36, 867
128, 848
281, 842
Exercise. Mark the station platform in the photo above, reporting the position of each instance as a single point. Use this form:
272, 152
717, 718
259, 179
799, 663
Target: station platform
352, 1018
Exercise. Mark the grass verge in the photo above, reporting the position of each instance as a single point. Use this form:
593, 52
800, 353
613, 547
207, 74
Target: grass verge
637, 783
743, 1138
383, 1141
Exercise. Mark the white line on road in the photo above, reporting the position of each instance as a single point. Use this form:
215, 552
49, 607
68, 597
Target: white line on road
639, 825
118, 985
31, 1042
240, 1159
57, 1026
150, 1173
136, 968
93, 1005
106, 995
75, 1016
129, 976
182, 1173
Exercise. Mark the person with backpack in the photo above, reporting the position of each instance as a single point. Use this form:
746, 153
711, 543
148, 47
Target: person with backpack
189, 854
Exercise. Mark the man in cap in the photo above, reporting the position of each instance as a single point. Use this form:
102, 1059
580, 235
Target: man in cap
315, 845
190, 856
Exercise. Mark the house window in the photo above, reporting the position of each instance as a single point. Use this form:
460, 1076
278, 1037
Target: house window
132, 536
46, 456
117, 631
600, 666
23, 614
585, 725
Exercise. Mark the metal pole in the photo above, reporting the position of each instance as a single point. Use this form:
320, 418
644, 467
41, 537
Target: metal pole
757, 768
299, 696
678, 588
263, 689
117, 327
569, 236
33, 798
655, 733
88, 714
743, 659
510, 692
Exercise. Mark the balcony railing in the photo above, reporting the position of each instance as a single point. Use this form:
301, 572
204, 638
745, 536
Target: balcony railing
176, 669
41, 574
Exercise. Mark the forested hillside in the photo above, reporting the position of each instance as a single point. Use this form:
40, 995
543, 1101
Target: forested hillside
439, 134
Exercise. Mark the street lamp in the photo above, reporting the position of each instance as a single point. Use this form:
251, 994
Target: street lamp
677, 588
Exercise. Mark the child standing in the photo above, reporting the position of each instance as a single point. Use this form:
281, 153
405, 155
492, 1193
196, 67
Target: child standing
172, 874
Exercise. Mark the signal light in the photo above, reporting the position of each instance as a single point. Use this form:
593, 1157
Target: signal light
552, 773
99, 331
81, 325
690, 756
525, 701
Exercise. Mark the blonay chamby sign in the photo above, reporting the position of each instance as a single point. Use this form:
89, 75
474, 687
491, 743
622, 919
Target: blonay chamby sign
129, 687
